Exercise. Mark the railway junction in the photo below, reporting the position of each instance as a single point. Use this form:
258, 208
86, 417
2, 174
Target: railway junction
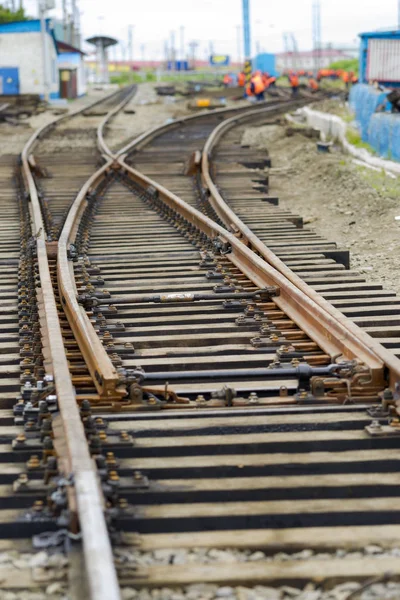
199, 382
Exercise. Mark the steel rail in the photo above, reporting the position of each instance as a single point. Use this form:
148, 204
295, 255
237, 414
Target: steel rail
101, 143
331, 334
101, 575
230, 219
104, 374
42, 130
156, 131
100, 570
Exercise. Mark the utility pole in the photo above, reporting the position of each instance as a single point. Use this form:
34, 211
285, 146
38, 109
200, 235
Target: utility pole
130, 41
166, 52
193, 47
316, 22
173, 51
65, 19
77, 21
73, 23
239, 43
45, 57
142, 51
247, 39
182, 41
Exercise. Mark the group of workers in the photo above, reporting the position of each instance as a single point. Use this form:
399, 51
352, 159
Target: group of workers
256, 87
260, 82
348, 77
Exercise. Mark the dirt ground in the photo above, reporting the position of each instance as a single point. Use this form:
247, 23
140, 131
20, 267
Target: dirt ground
346, 203
14, 137
150, 111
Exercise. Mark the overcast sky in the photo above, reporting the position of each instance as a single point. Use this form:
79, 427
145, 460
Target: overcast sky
216, 21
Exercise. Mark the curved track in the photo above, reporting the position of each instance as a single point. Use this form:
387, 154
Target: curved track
219, 400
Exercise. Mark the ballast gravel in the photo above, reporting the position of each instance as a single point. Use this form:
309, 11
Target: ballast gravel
201, 591
182, 556
344, 591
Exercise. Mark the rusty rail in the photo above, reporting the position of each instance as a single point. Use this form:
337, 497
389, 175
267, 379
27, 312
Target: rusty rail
88, 501
105, 376
333, 335
150, 134
101, 143
350, 331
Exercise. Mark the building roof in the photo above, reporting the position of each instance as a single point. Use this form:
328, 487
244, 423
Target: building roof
32, 26
385, 34
322, 53
63, 47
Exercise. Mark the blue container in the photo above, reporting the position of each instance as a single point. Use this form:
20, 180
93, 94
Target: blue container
266, 63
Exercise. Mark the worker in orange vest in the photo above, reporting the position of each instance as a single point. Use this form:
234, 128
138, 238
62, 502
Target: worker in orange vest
346, 79
265, 78
259, 86
294, 83
249, 90
313, 85
227, 80
241, 80
272, 82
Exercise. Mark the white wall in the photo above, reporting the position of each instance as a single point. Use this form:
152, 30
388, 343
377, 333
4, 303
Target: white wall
24, 51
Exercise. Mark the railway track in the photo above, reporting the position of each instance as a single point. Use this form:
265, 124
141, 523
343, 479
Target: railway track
181, 353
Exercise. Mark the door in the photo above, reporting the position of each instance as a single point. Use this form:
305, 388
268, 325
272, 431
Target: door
64, 83
74, 85
9, 77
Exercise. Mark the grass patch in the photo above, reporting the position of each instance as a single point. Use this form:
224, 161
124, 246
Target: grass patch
354, 137
135, 77
381, 182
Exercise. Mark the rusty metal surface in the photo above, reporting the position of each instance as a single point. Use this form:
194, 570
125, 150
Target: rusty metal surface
99, 565
104, 375
325, 337
331, 334
350, 333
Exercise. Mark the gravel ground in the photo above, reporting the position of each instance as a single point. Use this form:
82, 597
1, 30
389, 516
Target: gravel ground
150, 111
181, 556
48, 572
346, 203
14, 137
134, 558
346, 591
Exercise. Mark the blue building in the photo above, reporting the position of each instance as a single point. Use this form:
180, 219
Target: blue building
22, 67
380, 57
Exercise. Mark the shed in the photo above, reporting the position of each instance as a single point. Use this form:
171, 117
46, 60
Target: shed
21, 58
71, 68
380, 57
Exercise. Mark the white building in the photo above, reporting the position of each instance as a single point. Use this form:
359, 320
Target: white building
21, 59
306, 61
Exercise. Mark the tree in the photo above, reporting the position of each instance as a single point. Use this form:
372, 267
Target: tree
8, 16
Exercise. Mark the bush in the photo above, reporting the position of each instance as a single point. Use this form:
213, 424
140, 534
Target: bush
348, 64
